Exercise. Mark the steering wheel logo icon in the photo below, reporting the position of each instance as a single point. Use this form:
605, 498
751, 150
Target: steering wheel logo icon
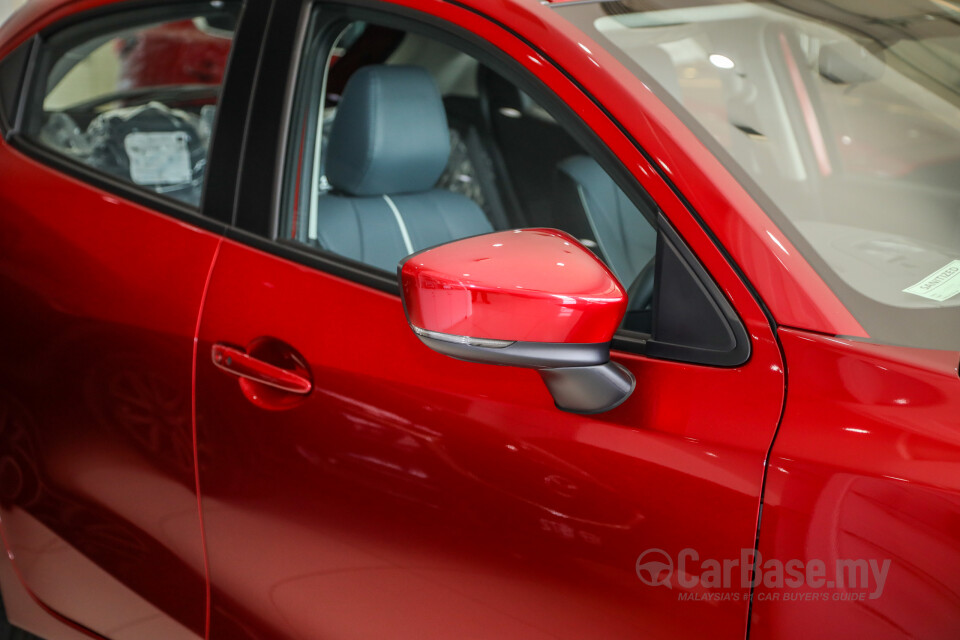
654, 567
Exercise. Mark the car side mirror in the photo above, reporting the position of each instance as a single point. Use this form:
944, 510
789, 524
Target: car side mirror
532, 298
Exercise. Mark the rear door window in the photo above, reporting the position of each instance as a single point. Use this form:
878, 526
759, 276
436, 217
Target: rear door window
134, 95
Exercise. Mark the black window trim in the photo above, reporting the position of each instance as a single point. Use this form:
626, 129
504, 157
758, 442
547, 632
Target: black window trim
14, 70
172, 207
260, 231
313, 54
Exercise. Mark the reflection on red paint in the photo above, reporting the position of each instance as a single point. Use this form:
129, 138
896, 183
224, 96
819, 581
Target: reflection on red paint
534, 285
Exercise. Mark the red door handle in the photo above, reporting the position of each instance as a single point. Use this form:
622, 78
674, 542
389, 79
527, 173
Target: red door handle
240, 364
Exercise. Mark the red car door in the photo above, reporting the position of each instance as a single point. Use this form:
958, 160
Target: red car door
357, 484
102, 274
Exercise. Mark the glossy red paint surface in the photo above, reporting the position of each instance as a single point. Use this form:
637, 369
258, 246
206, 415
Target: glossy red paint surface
412, 494
35, 15
865, 467
534, 285
97, 489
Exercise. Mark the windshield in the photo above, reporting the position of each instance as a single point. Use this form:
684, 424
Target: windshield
842, 117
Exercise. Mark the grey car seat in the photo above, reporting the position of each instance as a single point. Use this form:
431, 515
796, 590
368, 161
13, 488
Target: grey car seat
388, 146
626, 240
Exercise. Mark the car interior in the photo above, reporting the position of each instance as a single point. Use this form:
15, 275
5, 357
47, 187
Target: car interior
420, 144
400, 142
109, 105
405, 143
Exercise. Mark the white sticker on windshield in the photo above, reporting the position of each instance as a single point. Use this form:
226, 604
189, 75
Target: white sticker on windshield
940, 285
159, 157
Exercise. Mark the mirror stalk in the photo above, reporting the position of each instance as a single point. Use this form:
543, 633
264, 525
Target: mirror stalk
531, 298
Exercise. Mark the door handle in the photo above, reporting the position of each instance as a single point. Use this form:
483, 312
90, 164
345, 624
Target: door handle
236, 362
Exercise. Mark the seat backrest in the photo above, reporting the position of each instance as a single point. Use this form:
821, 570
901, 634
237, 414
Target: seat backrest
388, 147
625, 238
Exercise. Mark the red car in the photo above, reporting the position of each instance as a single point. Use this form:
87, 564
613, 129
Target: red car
259, 262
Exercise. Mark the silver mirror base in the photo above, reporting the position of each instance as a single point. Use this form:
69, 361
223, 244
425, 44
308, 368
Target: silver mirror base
530, 355
581, 378
589, 389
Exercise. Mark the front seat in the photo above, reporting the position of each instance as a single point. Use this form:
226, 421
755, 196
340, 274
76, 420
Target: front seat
388, 147
626, 240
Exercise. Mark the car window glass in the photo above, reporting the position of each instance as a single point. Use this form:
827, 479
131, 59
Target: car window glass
841, 119
136, 98
402, 142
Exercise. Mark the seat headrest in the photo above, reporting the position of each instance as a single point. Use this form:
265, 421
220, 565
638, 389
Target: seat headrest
390, 134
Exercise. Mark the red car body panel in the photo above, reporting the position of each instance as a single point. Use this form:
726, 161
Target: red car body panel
535, 285
96, 366
400, 454
865, 466
409, 494
24, 610
36, 15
